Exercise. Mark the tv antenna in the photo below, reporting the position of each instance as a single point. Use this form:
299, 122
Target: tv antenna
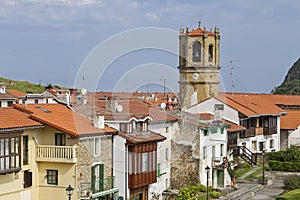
164, 80
231, 74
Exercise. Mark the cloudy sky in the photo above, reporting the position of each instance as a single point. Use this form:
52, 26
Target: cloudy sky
51, 41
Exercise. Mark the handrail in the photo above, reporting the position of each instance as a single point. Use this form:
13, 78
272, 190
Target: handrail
247, 155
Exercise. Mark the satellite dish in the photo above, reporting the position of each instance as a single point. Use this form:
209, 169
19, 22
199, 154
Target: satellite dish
119, 108
83, 91
163, 105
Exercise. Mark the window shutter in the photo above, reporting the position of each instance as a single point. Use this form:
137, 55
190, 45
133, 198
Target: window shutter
101, 177
158, 170
93, 179
27, 179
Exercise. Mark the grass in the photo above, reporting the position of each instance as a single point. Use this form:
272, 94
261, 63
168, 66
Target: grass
291, 195
256, 172
22, 86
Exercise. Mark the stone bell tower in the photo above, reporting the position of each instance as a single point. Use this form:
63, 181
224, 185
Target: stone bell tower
199, 58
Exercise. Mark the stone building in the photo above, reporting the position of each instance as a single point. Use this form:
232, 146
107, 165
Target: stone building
199, 65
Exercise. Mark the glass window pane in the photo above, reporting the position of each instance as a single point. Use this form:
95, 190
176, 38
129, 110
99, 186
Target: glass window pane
7, 146
12, 145
17, 145
2, 147
145, 162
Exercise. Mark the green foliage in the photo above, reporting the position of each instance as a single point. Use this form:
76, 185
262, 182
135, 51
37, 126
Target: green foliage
197, 192
22, 86
288, 155
291, 195
285, 160
292, 183
291, 82
214, 194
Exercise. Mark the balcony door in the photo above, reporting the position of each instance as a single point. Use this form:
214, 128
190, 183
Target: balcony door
60, 139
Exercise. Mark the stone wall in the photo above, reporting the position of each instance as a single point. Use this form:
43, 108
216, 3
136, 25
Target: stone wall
184, 167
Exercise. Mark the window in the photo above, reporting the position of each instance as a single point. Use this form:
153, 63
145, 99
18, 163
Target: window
196, 52
254, 146
36, 101
27, 179
145, 162
167, 154
210, 53
60, 139
52, 177
168, 129
271, 143
205, 132
214, 129
204, 153
97, 146
10, 103
25, 150
98, 178
221, 149
10, 153
261, 146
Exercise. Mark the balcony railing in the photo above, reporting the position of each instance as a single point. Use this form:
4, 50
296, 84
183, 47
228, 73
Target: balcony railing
51, 153
270, 130
105, 184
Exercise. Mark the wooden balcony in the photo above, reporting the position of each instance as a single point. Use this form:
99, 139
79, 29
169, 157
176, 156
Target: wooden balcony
51, 153
270, 130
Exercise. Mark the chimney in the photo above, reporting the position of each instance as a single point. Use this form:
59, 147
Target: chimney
99, 121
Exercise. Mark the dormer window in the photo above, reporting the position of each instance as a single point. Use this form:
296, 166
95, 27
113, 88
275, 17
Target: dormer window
2, 90
196, 52
126, 127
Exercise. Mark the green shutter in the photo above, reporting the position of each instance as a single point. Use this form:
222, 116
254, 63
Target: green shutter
93, 179
158, 170
101, 177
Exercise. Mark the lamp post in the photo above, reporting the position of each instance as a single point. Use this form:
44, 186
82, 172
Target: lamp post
207, 169
69, 191
263, 165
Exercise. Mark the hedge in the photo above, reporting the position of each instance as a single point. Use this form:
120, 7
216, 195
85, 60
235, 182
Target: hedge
284, 166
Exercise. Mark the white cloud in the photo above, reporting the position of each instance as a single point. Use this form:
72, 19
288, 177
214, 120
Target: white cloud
152, 16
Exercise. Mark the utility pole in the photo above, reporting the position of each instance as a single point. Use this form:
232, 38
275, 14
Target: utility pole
164, 80
231, 75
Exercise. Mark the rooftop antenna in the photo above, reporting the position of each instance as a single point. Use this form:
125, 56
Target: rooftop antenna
231, 75
164, 80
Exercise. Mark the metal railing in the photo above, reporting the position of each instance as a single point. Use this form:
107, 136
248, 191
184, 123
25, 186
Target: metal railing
104, 184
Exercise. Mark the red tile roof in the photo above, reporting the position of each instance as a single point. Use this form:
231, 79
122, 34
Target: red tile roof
134, 108
250, 104
14, 119
15, 93
291, 121
62, 118
198, 32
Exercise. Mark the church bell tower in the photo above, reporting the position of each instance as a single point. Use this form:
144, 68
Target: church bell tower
199, 58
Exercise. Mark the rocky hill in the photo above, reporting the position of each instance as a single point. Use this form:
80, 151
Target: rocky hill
291, 83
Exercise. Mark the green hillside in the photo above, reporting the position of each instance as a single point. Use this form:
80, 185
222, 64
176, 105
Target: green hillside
22, 86
291, 83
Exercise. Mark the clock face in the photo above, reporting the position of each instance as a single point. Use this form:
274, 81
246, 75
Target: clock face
195, 76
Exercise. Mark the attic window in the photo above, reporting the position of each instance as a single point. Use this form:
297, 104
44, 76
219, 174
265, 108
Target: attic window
43, 109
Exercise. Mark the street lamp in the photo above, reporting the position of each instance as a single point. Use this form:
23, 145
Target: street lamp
69, 191
207, 169
263, 165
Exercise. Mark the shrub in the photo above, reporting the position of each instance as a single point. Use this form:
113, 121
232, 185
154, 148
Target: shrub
284, 166
291, 195
288, 155
214, 194
292, 183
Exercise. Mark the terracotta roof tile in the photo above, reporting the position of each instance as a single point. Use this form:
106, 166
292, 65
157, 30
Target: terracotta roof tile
291, 121
13, 119
250, 104
15, 93
62, 118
